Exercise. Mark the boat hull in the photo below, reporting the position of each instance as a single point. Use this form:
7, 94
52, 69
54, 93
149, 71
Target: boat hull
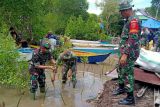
97, 50
94, 59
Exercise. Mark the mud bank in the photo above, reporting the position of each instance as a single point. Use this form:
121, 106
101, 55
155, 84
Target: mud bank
107, 100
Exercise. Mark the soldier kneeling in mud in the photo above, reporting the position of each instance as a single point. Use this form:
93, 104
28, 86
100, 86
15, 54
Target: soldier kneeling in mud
37, 67
68, 60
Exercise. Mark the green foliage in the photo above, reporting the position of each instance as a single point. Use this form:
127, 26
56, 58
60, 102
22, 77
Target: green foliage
84, 59
109, 38
21, 14
33, 18
71, 26
56, 52
81, 29
111, 16
71, 7
13, 72
103, 37
91, 28
65, 44
115, 27
75, 27
154, 10
58, 12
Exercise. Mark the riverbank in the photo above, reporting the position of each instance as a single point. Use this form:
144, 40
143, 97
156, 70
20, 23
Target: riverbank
107, 100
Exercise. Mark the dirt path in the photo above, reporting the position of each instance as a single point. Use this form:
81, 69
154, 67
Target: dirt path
107, 100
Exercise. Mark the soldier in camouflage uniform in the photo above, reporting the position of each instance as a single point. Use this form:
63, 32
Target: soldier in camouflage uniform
129, 47
144, 38
69, 62
37, 66
157, 40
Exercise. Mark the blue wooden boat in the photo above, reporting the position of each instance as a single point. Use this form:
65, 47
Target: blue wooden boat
25, 50
92, 58
96, 50
85, 43
25, 54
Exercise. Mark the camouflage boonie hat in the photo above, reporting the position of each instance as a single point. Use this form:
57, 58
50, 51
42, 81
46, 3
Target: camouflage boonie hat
124, 5
46, 45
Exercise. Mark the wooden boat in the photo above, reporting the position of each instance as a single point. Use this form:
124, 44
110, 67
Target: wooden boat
96, 50
34, 46
94, 45
25, 53
25, 50
81, 54
92, 58
85, 43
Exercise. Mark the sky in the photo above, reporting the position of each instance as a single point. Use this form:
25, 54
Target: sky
137, 4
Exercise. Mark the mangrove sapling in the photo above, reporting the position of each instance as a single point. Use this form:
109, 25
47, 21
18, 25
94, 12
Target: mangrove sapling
84, 60
82, 88
91, 87
44, 97
20, 99
60, 92
102, 70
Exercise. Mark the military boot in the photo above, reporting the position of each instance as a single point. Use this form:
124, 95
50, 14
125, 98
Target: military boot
32, 90
74, 81
33, 93
42, 89
120, 90
64, 79
129, 100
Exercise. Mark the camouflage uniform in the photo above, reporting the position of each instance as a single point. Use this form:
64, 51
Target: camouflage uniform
157, 41
144, 39
69, 62
129, 45
38, 75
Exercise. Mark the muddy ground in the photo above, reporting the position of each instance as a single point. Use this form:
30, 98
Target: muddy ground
107, 100
90, 80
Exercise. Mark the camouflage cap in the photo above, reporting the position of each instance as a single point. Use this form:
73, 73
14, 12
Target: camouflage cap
46, 45
124, 5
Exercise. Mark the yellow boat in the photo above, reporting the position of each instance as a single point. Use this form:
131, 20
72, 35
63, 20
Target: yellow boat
34, 46
81, 53
92, 58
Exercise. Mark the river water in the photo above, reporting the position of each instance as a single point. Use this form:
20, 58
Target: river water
90, 80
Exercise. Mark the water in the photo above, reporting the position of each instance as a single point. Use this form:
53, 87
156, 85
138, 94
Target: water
88, 86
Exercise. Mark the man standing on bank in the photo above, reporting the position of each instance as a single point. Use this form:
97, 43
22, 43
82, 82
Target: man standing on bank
129, 47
